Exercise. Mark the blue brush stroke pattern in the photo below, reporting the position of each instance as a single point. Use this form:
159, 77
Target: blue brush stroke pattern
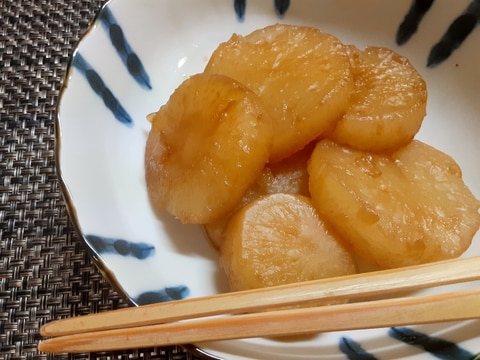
103, 245
281, 6
410, 23
239, 6
129, 58
99, 87
440, 348
166, 294
353, 350
455, 35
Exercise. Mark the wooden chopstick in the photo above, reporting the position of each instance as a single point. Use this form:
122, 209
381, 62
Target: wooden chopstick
351, 287
459, 305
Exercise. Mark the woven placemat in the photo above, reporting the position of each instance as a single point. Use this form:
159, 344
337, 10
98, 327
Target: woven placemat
45, 271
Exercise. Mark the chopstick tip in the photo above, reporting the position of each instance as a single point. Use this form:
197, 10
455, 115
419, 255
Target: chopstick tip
44, 330
43, 346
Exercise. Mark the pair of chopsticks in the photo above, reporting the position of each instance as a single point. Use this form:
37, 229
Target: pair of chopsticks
198, 320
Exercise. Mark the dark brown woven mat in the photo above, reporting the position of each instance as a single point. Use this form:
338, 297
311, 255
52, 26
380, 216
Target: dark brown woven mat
45, 272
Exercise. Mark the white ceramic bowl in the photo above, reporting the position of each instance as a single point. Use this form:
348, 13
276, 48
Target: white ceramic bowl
127, 65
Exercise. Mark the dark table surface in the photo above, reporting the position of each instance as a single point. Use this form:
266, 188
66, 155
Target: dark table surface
45, 270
